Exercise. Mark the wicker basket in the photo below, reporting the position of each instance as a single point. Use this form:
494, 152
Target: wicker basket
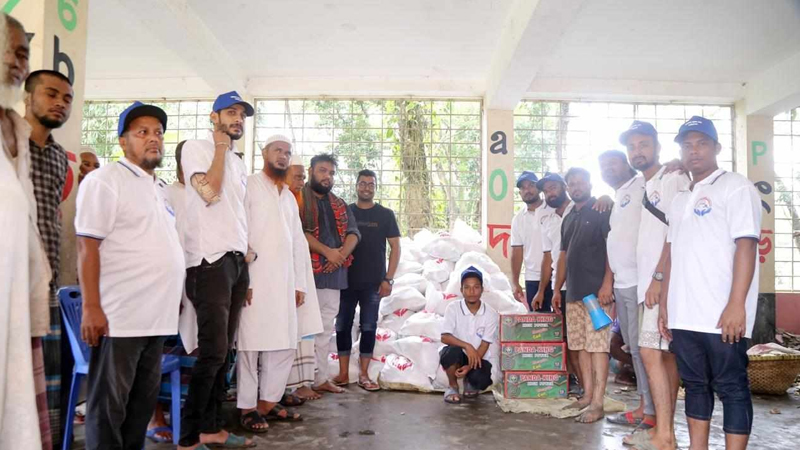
772, 375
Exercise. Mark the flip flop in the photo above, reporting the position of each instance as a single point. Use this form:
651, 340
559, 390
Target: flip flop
274, 414
233, 441
292, 400
249, 420
469, 391
369, 385
340, 383
152, 434
448, 393
624, 419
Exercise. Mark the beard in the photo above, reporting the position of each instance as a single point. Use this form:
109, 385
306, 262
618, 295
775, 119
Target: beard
276, 174
51, 124
317, 187
152, 164
10, 95
558, 201
531, 200
235, 136
366, 198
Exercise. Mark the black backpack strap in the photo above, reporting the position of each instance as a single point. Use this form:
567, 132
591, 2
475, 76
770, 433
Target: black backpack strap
653, 210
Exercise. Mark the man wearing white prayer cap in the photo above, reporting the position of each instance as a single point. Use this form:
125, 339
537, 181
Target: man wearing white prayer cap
89, 162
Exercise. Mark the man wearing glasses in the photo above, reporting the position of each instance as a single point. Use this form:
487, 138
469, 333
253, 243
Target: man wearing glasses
368, 278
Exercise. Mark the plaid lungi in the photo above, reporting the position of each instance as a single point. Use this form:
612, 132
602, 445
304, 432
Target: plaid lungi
302, 373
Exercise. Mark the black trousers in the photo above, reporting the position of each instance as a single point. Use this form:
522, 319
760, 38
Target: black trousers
123, 384
480, 378
217, 290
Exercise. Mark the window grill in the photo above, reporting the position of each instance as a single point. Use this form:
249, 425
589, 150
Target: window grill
786, 142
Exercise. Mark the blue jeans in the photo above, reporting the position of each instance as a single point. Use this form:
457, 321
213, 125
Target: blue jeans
531, 288
368, 322
707, 366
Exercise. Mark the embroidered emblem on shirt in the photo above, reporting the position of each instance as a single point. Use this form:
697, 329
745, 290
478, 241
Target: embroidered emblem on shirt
625, 201
480, 332
655, 198
703, 206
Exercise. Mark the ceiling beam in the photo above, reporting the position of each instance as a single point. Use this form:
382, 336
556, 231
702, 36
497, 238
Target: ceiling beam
178, 27
532, 30
776, 89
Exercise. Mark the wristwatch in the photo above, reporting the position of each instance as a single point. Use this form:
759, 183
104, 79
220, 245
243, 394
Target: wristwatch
658, 276
389, 280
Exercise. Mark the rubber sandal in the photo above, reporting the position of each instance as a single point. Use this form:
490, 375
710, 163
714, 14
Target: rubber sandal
233, 441
624, 419
274, 414
339, 383
151, 434
449, 392
469, 391
249, 420
291, 400
369, 386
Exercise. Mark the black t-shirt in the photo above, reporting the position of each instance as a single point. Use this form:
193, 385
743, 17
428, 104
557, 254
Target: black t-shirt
376, 224
583, 237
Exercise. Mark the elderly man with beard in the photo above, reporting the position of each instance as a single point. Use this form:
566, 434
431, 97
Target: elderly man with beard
25, 313
526, 243
48, 104
267, 336
332, 235
217, 276
130, 299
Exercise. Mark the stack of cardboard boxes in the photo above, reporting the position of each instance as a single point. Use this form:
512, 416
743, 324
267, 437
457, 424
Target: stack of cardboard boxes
533, 356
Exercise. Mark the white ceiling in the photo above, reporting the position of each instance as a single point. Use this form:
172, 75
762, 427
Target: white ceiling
420, 47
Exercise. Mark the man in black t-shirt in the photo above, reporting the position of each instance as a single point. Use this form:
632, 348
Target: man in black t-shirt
368, 278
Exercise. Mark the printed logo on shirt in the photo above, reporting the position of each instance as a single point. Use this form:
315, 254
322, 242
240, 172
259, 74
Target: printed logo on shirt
702, 207
169, 208
655, 198
480, 331
625, 201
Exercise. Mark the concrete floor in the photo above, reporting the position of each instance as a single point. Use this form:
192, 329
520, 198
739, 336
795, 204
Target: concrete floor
358, 420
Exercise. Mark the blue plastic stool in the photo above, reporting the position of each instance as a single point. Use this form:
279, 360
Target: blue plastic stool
72, 310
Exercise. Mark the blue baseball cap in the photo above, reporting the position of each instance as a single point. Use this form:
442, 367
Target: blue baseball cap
471, 271
231, 98
139, 109
527, 175
638, 127
549, 176
700, 124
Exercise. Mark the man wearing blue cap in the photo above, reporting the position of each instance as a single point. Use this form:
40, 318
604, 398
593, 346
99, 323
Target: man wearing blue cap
708, 302
526, 242
470, 327
217, 277
130, 299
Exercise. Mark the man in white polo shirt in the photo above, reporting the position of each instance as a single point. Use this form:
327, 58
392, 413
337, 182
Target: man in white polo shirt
217, 277
622, 238
526, 242
130, 298
711, 270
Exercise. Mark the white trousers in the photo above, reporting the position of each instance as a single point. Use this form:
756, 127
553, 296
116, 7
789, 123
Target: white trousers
262, 372
328, 309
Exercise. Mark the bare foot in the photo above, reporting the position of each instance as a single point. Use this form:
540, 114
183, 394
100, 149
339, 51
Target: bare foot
341, 380
328, 387
593, 414
307, 393
579, 404
220, 437
660, 444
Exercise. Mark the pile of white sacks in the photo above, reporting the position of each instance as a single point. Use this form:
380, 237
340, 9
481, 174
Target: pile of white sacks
408, 339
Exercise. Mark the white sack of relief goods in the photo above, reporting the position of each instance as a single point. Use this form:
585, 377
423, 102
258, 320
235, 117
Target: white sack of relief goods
425, 324
423, 351
401, 373
444, 247
423, 237
477, 259
403, 297
410, 251
469, 238
395, 320
503, 302
406, 266
499, 282
437, 301
437, 270
383, 342
413, 280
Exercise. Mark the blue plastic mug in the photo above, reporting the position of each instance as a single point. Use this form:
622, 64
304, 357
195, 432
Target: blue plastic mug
599, 317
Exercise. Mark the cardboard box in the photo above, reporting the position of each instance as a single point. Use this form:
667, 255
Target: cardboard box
524, 385
547, 327
550, 357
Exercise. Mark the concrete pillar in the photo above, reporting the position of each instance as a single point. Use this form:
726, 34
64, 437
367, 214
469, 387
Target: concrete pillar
59, 43
497, 196
760, 169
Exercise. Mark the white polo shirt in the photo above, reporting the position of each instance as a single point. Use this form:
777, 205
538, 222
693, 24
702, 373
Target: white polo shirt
624, 234
176, 196
213, 230
551, 239
472, 328
142, 267
704, 225
526, 232
661, 190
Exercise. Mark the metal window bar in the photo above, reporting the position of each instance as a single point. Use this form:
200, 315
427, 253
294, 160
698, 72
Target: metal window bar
187, 119
786, 143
